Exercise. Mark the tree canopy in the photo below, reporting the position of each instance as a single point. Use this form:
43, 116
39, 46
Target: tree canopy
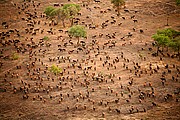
61, 14
167, 38
177, 2
48, 11
77, 31
117, 4
168, 32
66, 11
67, 6
161, 39
175, 44
71, 10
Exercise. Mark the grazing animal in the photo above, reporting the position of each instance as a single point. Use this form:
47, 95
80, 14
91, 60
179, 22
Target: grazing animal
135, 21
126, 10
118, 111
141, 31
56, 5
154, 104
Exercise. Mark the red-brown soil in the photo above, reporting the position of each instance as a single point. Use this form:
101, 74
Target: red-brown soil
97, 92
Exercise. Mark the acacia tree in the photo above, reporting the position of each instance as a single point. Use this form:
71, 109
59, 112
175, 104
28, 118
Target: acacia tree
61, 15
66, 11
77, 31
48, 11
167, 38
71, 10
167, 32
177, 41
163, 37
177, 2
161, 41
175, 45
117, 4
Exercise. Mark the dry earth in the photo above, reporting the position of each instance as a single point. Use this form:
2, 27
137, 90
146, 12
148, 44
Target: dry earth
104, 79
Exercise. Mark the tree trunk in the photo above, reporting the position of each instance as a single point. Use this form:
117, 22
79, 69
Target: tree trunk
58, 18
78, 41
71, 21
162, 48
167, 49
167, 21
63, 23
179, 53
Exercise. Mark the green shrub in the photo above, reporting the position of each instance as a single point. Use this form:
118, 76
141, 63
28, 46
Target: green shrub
49, 10
46, 38
177, 2
55, 69
15, 56
3, 1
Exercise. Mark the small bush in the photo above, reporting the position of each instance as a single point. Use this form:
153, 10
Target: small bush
15, 56
3, 1
177, 2
46, 38
49, 10
55, 69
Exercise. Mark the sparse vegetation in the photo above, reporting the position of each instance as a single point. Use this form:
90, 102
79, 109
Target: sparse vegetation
67, 11
167, 38
113, 71
117, 4
55, 69
61, 15
71, 11
15, 56
177, 2
3, 1
161, 41
49, 11
175, 45
77, 31
46, 38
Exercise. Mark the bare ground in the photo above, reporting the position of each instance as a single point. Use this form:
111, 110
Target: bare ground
89, 98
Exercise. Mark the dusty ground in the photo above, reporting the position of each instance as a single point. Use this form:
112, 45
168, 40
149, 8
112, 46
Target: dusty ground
94, 93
